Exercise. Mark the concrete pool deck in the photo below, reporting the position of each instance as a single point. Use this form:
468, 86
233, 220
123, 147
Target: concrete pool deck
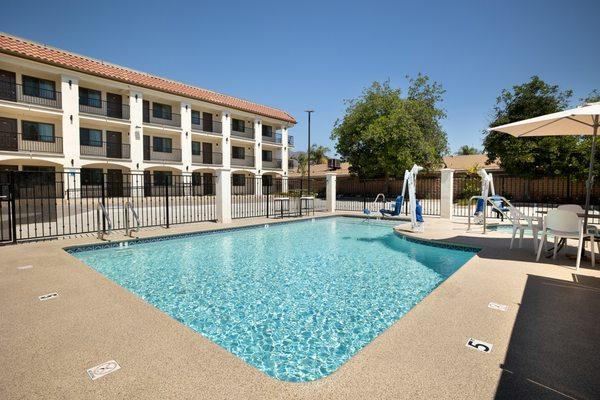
546, 345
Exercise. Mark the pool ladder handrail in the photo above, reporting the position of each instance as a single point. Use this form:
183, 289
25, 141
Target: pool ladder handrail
489, 200
128, 229
102, 215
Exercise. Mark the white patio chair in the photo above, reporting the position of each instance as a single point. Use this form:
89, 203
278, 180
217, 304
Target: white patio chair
520, 222
564, 225
576, 208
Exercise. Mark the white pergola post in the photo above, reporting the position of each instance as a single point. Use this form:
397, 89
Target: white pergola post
330, 191
447, 193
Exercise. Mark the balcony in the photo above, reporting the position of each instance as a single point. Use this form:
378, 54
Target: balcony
171, 119
14, 141
247, 133
207, 125
207, 158
247, 161
275, 138
105, 109
154, 155
30, 95
106, 150
272, 164
290, 140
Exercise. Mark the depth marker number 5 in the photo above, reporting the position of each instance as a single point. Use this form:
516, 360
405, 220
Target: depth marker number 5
479, 345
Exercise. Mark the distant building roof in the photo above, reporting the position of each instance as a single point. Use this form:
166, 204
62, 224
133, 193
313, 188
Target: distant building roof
322, 169
463, 163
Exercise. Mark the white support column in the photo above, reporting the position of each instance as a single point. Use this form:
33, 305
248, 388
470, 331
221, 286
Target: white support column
226, 139
330, 191
258, 185
258, 146
284, 184
136, 133
285, 150
186, 136
186, 180
446, 193
70, 123
223, 198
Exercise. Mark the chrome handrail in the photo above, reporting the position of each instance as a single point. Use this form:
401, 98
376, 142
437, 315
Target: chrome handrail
102, 214
129, 207
488, 199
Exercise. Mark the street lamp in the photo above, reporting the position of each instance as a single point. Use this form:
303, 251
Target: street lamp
309, 112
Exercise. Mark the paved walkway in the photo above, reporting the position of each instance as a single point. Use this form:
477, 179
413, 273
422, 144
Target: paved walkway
546, 345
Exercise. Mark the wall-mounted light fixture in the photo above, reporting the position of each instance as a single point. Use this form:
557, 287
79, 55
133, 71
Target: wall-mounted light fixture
285, 148
70, 83
226, 140
258, 144
71, 118
72, 162
136, 97
187, 167
186, 134
186, 106
137, 166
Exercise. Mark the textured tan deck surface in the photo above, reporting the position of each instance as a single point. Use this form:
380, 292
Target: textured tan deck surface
547, 345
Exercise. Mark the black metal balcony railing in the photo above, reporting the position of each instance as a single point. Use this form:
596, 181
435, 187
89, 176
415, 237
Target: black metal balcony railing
153, 155
208, 158
171, 119
247, 161
105, 108
207, 125
14, 141
275, 138
273, 164
290, 140
30, 95
105, 149
247, 133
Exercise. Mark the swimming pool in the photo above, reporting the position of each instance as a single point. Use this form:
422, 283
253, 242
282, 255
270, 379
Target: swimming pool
295, 300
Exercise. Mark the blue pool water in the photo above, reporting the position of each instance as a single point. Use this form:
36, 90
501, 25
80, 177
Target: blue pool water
295, 300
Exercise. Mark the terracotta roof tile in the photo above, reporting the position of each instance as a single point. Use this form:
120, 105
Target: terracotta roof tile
37, 52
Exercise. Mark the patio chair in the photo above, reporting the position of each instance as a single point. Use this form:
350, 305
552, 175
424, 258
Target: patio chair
576, 208
565, 225
520, 222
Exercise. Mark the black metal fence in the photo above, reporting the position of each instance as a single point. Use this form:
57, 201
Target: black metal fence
36, 205
355, 194
272, 197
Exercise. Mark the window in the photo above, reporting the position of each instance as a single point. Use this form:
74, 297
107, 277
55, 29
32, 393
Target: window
267, 155
90, 137
238, 125
196, 146
91, 176
267, 180
196, 120
162, 111
90, 97
162, 144
162, 178
267, 130
38, 87
238, 152
38, 131
238, 180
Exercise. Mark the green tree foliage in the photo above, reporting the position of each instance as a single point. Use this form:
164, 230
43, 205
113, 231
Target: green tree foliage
467, 151
536, 156
302, 160
382, 133
318, 154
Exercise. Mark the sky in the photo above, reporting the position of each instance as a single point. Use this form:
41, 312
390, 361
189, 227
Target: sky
299, 55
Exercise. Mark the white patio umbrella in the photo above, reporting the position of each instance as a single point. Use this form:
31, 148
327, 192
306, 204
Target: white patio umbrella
583, 120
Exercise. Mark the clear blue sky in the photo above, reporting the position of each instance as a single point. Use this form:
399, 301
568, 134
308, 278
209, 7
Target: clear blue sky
314, 54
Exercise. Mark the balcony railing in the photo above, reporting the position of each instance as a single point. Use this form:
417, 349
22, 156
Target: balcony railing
14, 141
105, 108
247, 161
208, 158
247, 133
207, 125
290, 140
152, 155
105, 149
172, 119
275, 138
30, 95
272, 164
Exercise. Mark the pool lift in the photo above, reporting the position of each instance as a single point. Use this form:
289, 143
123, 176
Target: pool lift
500, 205
410, 181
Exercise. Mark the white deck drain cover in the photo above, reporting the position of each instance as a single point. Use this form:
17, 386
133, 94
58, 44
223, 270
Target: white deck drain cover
48, 296
103, 369
479, 345
25, 267
496, 306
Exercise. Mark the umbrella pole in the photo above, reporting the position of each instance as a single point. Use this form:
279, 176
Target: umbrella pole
590, 176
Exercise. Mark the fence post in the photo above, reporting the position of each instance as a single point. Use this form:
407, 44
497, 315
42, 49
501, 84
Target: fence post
300, 201
268, 192
103, 200
447, 193
12, 192
364, 192
330, 191
167, 199
223, 196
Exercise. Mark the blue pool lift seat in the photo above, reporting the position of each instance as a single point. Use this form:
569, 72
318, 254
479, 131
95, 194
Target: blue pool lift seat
397, 208
419, 212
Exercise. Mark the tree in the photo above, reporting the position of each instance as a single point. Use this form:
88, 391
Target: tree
318, 154
535, 156
382, 133
301, 158
467, 150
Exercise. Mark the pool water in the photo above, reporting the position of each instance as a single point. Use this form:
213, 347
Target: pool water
295, 300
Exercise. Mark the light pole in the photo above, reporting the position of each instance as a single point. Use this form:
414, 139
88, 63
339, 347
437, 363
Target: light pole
309, 112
